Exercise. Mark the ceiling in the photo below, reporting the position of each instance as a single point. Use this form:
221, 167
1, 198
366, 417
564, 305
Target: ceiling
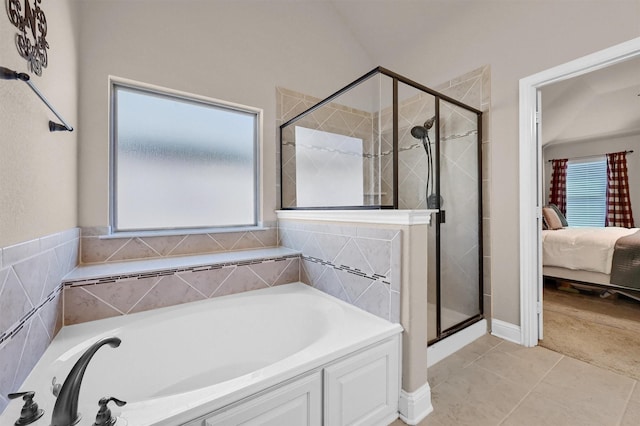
385, 28
599, 104
602, 103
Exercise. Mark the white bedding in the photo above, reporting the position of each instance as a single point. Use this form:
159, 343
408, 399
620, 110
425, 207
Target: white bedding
587, 249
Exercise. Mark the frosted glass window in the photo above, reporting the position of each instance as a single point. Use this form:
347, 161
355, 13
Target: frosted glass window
328, 169
181, 163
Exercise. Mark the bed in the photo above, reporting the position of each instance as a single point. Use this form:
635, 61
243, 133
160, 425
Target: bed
605, 257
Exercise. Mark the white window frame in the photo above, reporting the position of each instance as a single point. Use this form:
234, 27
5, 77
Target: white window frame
154, 89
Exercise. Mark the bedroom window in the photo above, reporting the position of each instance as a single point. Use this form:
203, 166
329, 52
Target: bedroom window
587, 192
181, 161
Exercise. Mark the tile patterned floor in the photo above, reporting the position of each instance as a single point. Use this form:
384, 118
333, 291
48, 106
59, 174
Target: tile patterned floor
494, 382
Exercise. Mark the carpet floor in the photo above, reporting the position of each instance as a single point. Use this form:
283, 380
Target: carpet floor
603, 332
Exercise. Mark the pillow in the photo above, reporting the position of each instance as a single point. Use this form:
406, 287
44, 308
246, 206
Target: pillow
551, 218
560, 215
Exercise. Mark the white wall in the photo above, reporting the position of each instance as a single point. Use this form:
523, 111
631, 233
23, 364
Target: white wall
237, 51
38, 168
516, 39
598, 147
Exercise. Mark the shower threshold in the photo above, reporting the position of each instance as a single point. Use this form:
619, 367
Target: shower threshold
474, 329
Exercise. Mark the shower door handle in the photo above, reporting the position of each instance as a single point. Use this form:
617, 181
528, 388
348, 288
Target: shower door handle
442, 217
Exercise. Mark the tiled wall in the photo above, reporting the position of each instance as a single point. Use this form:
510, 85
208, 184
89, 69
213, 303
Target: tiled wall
103, 250
31, 302
86, 301
413, 111
355, 263
31, 293
92, 299
332, 118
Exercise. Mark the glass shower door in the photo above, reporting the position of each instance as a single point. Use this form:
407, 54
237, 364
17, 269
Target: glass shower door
460, 219
439, 169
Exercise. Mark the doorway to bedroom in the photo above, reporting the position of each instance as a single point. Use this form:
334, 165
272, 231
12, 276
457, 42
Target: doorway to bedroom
585, 109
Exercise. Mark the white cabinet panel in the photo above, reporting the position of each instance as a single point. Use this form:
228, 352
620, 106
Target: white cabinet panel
363, 389
360, 389
295, 404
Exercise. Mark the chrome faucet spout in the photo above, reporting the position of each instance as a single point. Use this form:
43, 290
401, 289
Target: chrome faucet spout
65, 411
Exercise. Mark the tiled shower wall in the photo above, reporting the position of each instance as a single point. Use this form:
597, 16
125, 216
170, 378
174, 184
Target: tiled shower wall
355, 263
31, 302
332, 118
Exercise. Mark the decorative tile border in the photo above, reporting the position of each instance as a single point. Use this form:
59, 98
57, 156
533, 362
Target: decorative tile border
172, 271
355, 271
25, 319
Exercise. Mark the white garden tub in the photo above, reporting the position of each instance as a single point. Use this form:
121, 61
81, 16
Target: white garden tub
178, 363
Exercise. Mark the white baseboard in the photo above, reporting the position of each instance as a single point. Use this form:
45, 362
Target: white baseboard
445, 347
415, 406
506, 331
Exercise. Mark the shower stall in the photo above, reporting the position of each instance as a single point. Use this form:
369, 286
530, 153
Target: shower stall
387, 142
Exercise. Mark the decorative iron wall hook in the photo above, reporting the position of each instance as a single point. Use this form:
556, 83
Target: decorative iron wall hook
7, 74
31, 39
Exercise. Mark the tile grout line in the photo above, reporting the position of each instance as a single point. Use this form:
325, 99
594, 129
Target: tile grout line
531, 390
468, 364
258, 276
481, 355
289, 262
178, 276
227, 278
117, 250
626, 405
143, 296
24, 346
102, 300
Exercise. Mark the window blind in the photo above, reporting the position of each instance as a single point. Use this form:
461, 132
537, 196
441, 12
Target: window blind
586, 192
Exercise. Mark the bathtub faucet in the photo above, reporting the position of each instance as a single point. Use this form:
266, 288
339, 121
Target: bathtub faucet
65, 411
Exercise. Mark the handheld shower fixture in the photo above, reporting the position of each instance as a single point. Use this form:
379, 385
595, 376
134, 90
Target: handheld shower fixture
422, 133
419, 132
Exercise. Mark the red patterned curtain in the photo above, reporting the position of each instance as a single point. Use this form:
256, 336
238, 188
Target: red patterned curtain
558, 192
618, 201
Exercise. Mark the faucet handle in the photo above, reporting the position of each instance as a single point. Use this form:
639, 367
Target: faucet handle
104, 418
30, 411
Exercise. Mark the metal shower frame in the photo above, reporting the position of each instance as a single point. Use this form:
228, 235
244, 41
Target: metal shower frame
397, 78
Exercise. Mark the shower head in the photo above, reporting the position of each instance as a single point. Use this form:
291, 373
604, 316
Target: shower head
419, 132
429, 123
